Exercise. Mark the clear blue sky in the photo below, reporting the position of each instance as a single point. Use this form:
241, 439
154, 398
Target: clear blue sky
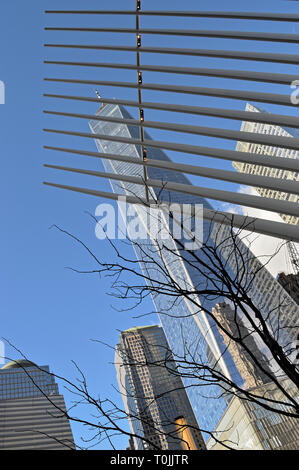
47, 311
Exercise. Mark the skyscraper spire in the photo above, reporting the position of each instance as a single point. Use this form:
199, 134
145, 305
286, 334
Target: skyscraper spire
99, 96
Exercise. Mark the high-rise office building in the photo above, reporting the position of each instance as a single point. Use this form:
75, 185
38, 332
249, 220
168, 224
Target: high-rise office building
154, 396
28, 419
187, 324
290, 282
278, 307
275, 152
246, 426
233, 323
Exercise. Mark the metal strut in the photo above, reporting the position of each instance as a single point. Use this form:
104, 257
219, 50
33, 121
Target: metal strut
139, 84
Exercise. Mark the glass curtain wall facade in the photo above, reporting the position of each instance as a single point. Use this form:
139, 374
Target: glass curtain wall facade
186, 325
247, 426
28, 420
15, 383
154, 396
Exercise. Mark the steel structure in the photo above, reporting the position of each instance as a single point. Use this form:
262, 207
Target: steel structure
261, 77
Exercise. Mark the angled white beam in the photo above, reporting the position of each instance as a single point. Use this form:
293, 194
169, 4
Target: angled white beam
223, 54
232, 155
280, 78
262, 226
276, 184
243, 35
197, 14
257, 202
252, 137
263, 117
274, 98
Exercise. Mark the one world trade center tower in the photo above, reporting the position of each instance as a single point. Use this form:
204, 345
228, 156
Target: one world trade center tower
187, 327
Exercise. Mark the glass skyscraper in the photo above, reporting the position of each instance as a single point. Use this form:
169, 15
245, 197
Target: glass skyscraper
27, 418
187, 326
152, 392
247, 426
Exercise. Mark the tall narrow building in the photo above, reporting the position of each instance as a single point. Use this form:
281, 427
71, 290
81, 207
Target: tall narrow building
289, 281
189, 327
234, 324
154, 396
28, 420
275, 152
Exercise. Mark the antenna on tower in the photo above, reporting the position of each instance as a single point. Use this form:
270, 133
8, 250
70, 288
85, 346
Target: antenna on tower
100, 98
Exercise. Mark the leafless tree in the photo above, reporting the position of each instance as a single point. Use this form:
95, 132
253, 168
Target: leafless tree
104, 419
258, 332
